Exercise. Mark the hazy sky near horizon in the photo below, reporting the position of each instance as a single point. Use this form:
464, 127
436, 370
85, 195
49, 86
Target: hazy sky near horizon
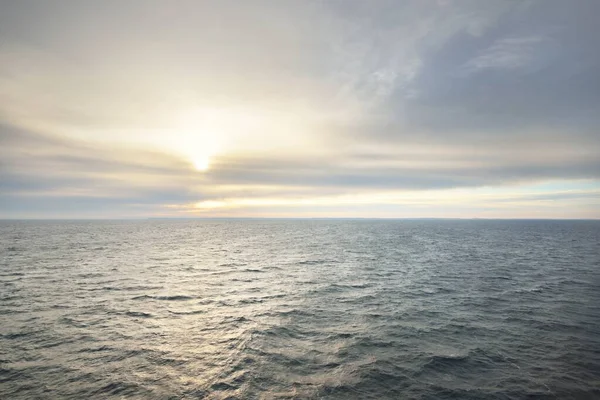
422, 108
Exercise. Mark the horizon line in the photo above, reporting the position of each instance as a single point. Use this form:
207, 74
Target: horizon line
297, 218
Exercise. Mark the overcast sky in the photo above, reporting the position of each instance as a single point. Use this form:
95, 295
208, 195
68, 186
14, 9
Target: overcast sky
424, 108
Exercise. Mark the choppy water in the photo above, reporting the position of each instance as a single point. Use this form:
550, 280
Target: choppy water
300, 309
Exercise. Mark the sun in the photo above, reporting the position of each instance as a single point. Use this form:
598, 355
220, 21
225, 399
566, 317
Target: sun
201, 163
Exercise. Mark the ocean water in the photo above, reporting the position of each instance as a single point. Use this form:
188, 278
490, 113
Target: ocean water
315, 309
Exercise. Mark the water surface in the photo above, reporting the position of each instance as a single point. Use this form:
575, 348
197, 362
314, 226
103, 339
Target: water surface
332, 309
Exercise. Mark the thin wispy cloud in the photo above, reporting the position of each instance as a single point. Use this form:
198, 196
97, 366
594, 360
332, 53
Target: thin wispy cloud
509, 53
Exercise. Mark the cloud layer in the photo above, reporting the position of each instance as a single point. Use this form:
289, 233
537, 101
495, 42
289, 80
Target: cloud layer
300, 108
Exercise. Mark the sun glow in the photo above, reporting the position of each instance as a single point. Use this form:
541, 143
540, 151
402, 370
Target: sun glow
201, 163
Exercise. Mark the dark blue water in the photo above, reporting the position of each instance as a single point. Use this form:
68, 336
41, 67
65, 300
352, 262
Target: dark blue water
300, 309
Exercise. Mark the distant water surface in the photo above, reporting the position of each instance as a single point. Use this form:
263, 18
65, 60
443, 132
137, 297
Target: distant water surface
331, 309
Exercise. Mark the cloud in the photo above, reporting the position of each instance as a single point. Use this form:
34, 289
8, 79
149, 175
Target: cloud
295, 104
507, 53
47, 170
534, 67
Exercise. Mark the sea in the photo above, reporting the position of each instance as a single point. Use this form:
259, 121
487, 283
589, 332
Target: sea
300, 309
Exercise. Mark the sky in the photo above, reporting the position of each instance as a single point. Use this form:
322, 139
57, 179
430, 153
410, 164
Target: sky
282, 108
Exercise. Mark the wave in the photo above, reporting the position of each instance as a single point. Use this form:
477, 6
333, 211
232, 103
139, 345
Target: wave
18, 335
138, 314
12, 274
317, 262
192, 312
340, 286
476, 359
178, 297
121, 388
